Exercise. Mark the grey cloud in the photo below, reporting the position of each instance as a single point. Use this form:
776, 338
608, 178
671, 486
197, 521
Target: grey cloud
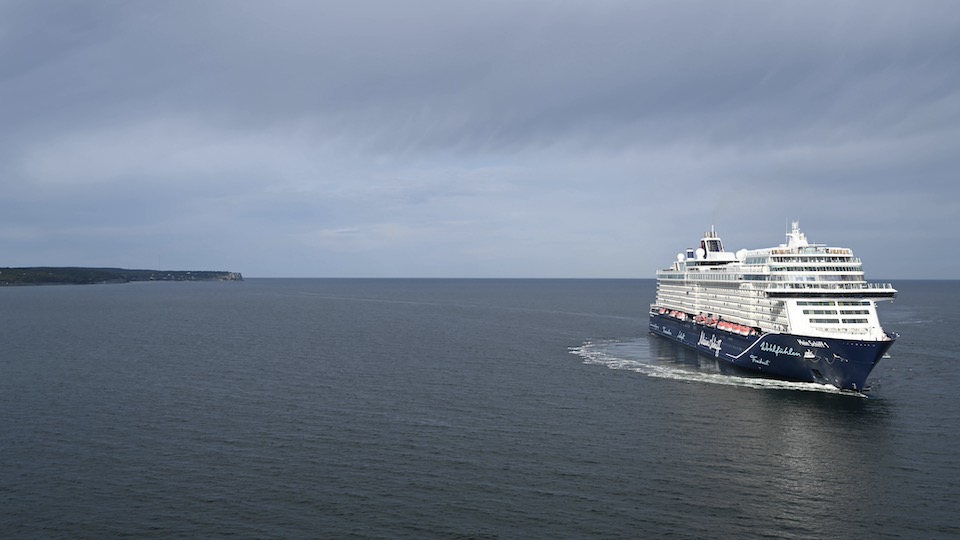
497, 75
489, 129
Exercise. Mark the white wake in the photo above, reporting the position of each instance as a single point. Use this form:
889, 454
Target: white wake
663, 362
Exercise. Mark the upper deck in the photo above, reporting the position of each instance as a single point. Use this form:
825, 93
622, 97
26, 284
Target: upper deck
798, 286
797, 268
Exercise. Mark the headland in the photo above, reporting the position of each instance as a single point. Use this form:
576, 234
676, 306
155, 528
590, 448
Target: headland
49, 275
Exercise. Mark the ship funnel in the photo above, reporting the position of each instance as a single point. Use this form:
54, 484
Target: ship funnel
795, 238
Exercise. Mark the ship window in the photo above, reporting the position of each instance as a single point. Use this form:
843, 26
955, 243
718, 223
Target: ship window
855, 321
820, 312
854, 303
815, 303
854, 311
825, 321
713, 245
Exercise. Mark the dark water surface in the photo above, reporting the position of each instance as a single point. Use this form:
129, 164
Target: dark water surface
450, 409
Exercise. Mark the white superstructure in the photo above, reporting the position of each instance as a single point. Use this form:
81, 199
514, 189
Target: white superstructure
797, 287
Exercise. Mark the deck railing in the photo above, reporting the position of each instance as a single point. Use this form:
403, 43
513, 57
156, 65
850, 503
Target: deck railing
819, 286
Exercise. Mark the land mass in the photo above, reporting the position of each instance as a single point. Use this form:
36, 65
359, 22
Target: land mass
48, 275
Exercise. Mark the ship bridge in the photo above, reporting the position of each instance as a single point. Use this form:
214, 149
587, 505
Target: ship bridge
843, 290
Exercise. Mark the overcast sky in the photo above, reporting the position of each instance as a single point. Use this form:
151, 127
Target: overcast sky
516, 138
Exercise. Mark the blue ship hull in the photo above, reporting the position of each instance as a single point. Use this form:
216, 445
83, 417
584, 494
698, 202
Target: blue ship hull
844, 363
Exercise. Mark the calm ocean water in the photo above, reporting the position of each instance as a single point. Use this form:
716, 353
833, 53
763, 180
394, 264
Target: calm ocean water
450, 409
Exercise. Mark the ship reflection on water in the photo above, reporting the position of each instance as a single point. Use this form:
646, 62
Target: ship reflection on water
813, 439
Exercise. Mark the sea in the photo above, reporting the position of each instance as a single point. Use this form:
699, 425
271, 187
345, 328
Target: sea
451, 408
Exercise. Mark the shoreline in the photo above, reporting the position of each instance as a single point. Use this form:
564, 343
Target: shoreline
49, 275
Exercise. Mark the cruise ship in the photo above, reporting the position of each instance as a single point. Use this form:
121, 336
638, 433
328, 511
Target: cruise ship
799, 311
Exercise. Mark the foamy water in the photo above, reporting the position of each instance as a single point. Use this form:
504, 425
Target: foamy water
637, 355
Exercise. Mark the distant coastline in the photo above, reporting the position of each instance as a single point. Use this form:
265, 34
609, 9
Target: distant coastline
48, 275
